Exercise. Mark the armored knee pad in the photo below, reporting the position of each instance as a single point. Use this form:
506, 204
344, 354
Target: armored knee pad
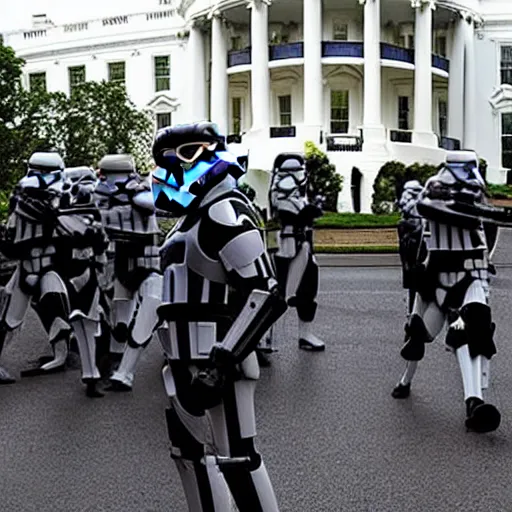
478, 331
183, 444
53, 307
416, 337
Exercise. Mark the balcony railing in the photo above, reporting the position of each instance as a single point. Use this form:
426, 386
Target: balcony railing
342, 49
440, 63
282, 131
400, 136
239, 57
335, 49
344, 143
392, 52
449, 144
286, 51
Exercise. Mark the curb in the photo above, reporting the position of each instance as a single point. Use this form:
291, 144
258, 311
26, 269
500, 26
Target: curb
369, 260
358, 260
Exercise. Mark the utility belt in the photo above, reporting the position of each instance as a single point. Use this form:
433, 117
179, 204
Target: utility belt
191, 331
134, 263
457, 261
137, 255
131, 237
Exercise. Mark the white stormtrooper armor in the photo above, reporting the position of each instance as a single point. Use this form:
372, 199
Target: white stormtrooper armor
219, 298
296, 266
55, 233
28, 229
129, 219
452, 280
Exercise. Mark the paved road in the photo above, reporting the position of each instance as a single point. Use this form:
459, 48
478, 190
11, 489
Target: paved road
331, 435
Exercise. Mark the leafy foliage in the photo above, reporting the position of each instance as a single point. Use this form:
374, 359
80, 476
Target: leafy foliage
323, 180
97, 119
247, 190
100, 119
500, 191
390, 180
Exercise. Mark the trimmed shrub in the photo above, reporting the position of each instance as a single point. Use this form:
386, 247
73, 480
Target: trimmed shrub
323, 180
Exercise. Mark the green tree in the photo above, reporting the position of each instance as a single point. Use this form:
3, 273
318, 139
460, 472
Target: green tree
10, 97
27, 120
100, 119
390, 180
323, 180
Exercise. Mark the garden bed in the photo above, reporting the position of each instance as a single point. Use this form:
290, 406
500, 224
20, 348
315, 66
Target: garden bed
382, 237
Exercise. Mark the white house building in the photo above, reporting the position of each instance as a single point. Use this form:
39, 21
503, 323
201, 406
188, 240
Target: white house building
144, 51
367, 81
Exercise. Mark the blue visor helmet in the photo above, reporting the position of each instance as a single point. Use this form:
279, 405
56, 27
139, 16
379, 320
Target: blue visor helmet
178, 185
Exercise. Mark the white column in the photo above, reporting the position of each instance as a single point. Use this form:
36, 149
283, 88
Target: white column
219, 77
260, 75
196, 83
423, 134
470, 86
456, 82
373, 129
313, 85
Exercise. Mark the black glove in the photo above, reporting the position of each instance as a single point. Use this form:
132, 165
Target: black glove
308, 214
209, 384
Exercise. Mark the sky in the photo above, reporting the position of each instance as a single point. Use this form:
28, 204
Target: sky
17, 14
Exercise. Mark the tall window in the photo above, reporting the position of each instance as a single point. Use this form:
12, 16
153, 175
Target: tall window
406, 41
236, 43
76, 77
236, 105
443, 118
506, 65
37, 81
339, 31
163, 120
403, 112
506, 140
162, 73
339, 112
285, 110
440, 46
117, 72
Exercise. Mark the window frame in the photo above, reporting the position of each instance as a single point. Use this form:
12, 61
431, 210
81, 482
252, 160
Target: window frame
505, 69
235, 120
283, 113
341, 120
162, 77
404, 122
72, 86
503, 136
442, 117
440, 45
109, 72
340, 24
34, 74
158, 116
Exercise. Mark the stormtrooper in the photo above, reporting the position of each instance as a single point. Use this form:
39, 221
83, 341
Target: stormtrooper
451, 280
219, 298
54, 233
128, 214
296, 266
